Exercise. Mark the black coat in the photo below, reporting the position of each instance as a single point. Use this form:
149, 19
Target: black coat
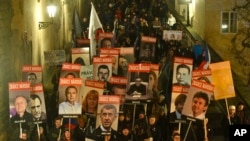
79, 134
99, 135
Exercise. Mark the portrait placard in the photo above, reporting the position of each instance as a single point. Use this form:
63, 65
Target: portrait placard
70, 70
182, 73
80, 56
37, 105
32, 74
108, 102
126, 57
91, 91
69, 96
198, 99
147, 50
113, 53
172, 35
137, 87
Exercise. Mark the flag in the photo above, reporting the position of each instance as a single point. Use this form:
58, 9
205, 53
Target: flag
77, 23
77, 27
207, 61
94, 24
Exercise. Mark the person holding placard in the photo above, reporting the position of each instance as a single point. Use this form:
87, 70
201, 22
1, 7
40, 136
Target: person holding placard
147, 54
56, 131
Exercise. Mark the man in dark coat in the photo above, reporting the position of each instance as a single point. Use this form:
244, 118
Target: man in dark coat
80, 130
104, 131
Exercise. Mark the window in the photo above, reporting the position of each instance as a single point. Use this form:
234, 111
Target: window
229, 22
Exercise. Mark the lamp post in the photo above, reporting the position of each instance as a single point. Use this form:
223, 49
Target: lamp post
52, 12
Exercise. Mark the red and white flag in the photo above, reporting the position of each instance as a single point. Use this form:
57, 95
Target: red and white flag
94, 24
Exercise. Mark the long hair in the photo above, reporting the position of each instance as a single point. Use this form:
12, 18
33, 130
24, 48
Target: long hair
93, 93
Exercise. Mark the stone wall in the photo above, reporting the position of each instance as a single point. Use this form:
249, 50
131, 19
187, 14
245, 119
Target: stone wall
22, 43
6, 69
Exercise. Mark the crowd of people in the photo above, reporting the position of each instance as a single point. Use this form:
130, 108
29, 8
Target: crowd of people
128, 20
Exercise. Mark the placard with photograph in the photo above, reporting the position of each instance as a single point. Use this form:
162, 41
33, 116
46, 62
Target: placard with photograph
105, 40
91, 91
69, 96
32, 74
147, 50
202, 75
80, 56
37, 106
21, 121
126, 57
70, 70
178, 98
110, 104
153, 80
102, 68
182, 74
18, 89
172, 35
114, 53
137, 86
198, 100
83, 42
119, 88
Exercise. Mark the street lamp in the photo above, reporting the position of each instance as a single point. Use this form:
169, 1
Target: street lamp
52, 12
